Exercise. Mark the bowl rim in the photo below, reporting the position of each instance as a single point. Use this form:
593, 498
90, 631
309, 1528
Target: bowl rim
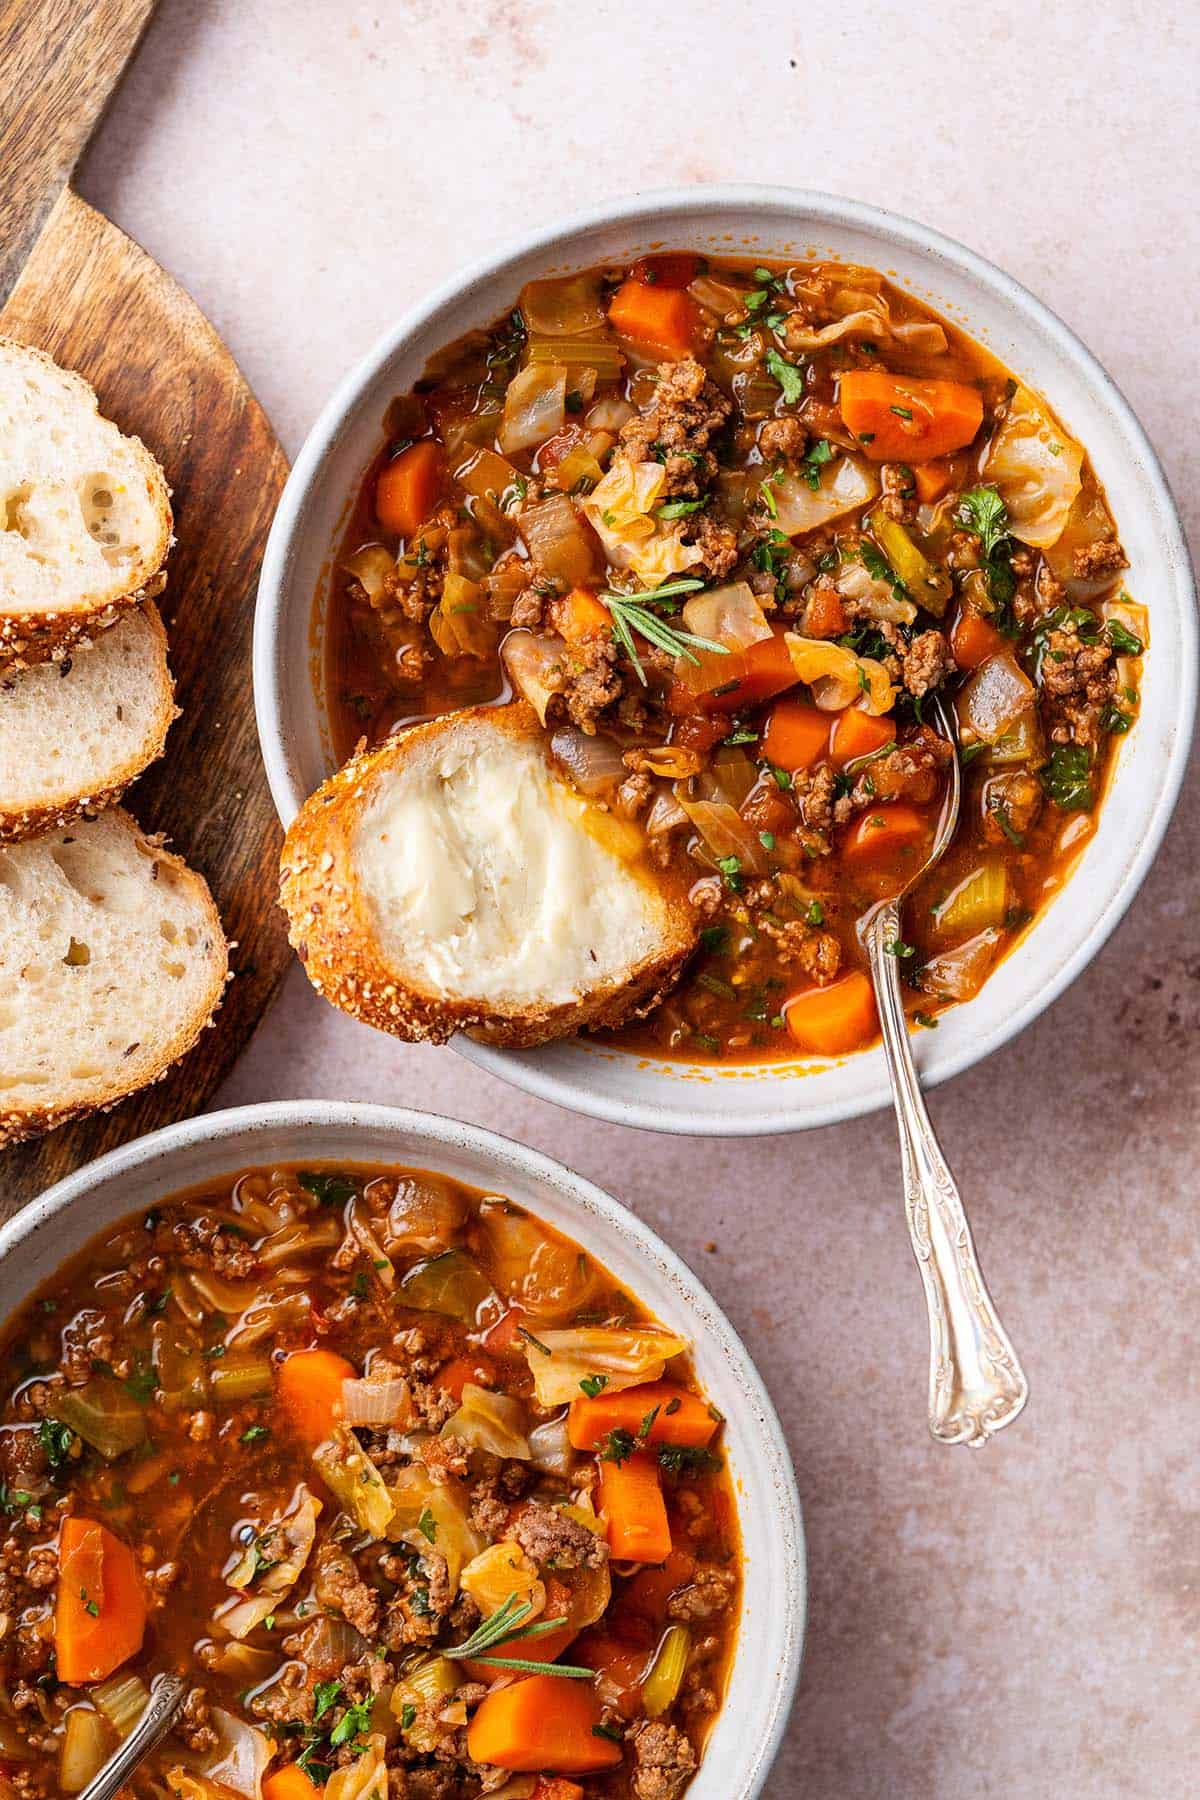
817, 209
237, 1126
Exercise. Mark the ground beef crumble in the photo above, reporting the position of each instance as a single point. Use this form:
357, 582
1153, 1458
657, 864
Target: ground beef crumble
1078, 680
556, 1541
688, 411
664, 1760
927, 662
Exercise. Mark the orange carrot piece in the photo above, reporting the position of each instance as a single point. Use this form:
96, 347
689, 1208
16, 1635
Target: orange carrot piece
545, 1649
898, 418
100, 1607
797, 735
973, 639
765, 669
578, 614
858, 733
877, 835
622, 1664
310, 1387
680, 1417
932, 480
407, 490
661, 317
673, 269
542, 1722
830, 1021
631, 1500
824, 616
289, 1783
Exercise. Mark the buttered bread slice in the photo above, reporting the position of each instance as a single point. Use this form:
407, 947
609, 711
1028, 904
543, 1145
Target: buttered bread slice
451, 880
85, 515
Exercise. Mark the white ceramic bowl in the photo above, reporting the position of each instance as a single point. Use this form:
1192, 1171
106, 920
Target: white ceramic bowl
771, 222
771, 1627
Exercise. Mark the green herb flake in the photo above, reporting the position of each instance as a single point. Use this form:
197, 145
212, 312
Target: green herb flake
593, 1385
789, 377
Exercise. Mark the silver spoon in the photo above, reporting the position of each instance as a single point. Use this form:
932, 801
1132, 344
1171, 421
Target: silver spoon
166, 1698
976, 1384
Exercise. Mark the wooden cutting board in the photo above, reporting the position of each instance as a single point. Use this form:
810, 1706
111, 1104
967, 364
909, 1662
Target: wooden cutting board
78, 288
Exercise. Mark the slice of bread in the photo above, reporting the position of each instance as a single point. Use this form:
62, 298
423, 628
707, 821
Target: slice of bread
74, 734
451, 880
112, 960
85, 513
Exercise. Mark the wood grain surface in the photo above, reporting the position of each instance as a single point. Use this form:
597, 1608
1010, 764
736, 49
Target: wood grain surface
60, 62
97, 303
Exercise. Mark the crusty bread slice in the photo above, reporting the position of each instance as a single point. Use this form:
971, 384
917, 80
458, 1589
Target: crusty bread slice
450, 880
74, 734
85, 513
112, 960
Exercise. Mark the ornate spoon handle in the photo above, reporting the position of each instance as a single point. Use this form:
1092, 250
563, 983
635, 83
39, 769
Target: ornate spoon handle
976, 1384
166, 1698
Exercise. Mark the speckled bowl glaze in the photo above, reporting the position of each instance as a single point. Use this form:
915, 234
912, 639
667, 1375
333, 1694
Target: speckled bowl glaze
769, 222
771, 1627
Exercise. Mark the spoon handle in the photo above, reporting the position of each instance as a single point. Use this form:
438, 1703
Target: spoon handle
166, 1697
976, 1384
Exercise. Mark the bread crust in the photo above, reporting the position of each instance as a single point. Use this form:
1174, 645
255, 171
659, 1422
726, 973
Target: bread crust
29, 638
20, 1123
330, 928
32, 821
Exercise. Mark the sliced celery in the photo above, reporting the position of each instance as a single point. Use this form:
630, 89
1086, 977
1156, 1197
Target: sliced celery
928, 585
977, 902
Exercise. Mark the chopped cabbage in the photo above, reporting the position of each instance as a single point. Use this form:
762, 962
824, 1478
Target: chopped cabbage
620, 510
1036, 468
498, 1573
843, 484
560, 1360
367, 1776
490, 1421
534, 406
847, 679
428, 1512
348, 1472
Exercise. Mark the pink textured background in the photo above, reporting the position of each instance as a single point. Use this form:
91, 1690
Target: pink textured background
1019, 1622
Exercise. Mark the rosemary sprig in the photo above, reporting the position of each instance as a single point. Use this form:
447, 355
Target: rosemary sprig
632, 613
506, 1627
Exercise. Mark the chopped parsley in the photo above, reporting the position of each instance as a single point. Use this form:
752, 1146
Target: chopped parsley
330, 1190
789, 377
731, 871
686, 1459
56, 1440
1067, 778
679, 509
815, 458
714, 941
616, 1446
325, 1695
1122, 640
254, 1434
427, 1526
593, 1385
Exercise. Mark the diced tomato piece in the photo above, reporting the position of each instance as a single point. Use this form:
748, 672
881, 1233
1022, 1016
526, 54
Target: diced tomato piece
673, 269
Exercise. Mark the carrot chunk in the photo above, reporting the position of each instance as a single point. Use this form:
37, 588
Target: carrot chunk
100, 1608
631, 1500
663, 318
824, 616
932, 479
679, 1417
289, 1783
973, 639
765, 669
578, 614
797, 735
408, 488
880, 834
858, 733
832, 1020
310, 1387
898, 418
540, 1723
